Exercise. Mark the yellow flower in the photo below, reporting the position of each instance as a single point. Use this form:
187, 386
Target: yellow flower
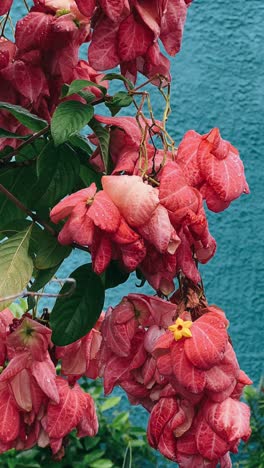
181, 328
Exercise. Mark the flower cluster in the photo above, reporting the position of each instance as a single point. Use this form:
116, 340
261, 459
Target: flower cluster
184, 372
43, 57
157, 224
47, 41
37, 405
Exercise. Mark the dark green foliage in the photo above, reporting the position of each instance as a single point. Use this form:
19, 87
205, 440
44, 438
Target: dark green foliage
252, 453
73, 317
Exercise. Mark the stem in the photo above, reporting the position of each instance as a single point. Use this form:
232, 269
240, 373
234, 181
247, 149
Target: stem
30, 213
4, 24
35, 136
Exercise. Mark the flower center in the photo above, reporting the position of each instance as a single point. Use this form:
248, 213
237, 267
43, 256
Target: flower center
181, 329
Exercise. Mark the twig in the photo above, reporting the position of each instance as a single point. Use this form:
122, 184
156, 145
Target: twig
4, 24
35, 136
30, 213
26, 293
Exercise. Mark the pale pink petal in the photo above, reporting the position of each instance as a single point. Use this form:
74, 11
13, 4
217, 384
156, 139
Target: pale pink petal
20, 385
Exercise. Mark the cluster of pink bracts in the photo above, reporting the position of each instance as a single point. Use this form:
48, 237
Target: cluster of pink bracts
37, 405
156, 225
189, 381
47, 41
185, 373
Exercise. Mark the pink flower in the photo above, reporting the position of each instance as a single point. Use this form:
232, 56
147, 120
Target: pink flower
29, 336
213, 166
133, 32
85, 209
169, 419
135, 200
81, 357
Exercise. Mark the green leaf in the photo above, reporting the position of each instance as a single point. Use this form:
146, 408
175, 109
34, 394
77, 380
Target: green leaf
119, 100
91, 442
117, 76
103, 463
5, 134
68, 118
79, 85
50, 253
16, 265
93, 456
31, 121
42, 277
89, 176
127, 462
80, 142
19, 182
110, 403
58, 170
121, 419
103, 136
114, 276
73, 317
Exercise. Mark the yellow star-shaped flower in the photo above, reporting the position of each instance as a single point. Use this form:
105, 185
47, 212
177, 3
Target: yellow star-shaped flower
181, 329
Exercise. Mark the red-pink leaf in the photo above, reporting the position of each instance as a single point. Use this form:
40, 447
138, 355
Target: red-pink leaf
221, 166
209, 444
9, 421
189, 376
133, 254
134, 38
101, 253
162, 412
113, 8
172, 25
5, 5
88, 425
187, 157
104, 213
33, 30
115, 369
167, 444
27, 79
86, 7
208, 343
125, 235
221, 376
16, 365
45, 375
230, 419
175, 193
64, 416
102, 53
